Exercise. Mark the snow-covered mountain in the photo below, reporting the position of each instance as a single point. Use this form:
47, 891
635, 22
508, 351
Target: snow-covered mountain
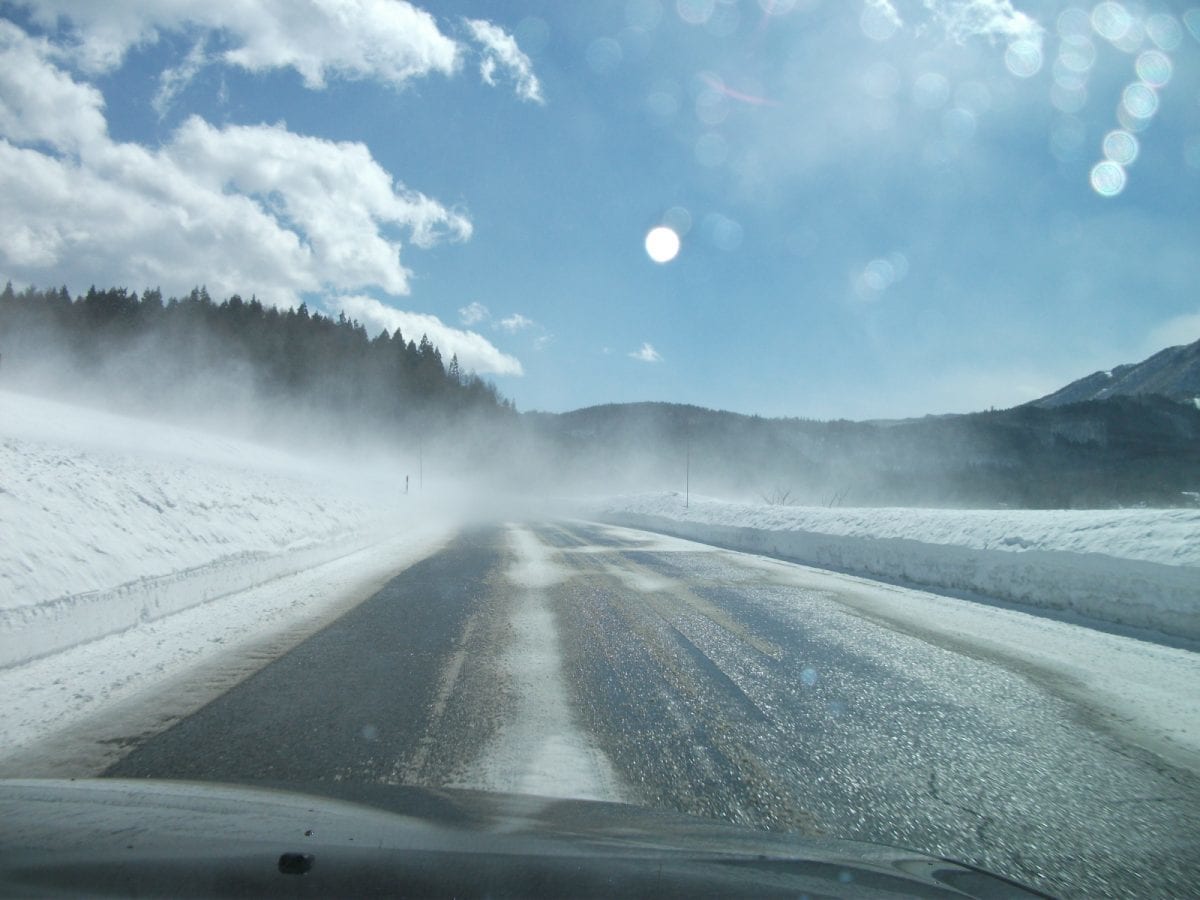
1174, 373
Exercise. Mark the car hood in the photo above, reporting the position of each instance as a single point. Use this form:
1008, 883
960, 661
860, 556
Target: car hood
111, 837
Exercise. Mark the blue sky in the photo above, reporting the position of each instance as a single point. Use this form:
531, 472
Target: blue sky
885, 208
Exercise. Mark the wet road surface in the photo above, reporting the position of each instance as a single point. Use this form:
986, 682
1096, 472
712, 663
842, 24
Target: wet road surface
580, 660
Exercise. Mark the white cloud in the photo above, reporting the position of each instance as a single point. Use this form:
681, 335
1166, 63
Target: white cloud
500, 50
515, 322
39, 102
963, 19
474, 313
173, 81
475, 352
389, 40
647, 354
285, 214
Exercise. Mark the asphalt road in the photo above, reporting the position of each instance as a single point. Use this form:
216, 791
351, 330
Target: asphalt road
579, 660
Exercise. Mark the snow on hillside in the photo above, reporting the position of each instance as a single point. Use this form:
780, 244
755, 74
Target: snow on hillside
108, 521
1134, 567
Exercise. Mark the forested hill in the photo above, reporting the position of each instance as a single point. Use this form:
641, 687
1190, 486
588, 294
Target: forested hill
1119, 451
235, 356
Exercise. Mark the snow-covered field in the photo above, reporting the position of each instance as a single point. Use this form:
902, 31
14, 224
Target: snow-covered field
1138, 568
109, 521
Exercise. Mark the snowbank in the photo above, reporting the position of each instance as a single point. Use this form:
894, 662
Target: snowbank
1136, 568
108, 521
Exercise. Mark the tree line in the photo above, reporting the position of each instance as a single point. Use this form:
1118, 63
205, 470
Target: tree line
144, 351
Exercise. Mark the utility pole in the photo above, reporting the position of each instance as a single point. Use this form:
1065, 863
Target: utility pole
420, 463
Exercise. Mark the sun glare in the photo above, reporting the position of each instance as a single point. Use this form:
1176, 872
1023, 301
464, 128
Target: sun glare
662, 244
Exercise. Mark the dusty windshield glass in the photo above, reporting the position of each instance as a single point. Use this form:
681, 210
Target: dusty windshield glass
778, 411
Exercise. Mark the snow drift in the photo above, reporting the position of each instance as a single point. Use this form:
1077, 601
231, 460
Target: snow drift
1138, 568
108, 521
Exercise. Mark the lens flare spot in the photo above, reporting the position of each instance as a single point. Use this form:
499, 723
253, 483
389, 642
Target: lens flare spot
878, 22
678, 219
1164, 30
604, 55
1108, 178
1154, 67
1139, 100
1077, 54
777, 7
931, 90
662, 244
1074, 22
1023, 58
725, 21
1191, 19
724, 233
974, 97
1120, 147
1069, 100
1111, 21
695, 12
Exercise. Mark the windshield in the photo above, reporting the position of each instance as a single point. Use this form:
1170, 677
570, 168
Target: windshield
778, 411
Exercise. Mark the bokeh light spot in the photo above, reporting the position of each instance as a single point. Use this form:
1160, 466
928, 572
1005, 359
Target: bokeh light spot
711, 107
931, 90
881, 80
1077, 54
695, 12
724, 21
1108, 178
1111, 21
777, 7
662, 244
724, 232
678, 219
878, 22
1154, 67
1164, 30
974, 97
604, 55
1139, 100
643, 14
1069, 100
1121, 147
663, 103
1023, 58
1074, 22
1191, 19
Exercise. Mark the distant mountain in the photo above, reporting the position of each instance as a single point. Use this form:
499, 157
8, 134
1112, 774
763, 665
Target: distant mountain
1173, 373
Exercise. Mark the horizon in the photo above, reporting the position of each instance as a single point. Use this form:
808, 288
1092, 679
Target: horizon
785, 208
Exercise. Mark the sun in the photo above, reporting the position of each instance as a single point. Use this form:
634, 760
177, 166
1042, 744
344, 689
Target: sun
662, 244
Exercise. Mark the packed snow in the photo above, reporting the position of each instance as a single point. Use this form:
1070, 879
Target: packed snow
541, 749
1136, 568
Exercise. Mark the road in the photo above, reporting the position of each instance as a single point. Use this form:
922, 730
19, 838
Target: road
580, 660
